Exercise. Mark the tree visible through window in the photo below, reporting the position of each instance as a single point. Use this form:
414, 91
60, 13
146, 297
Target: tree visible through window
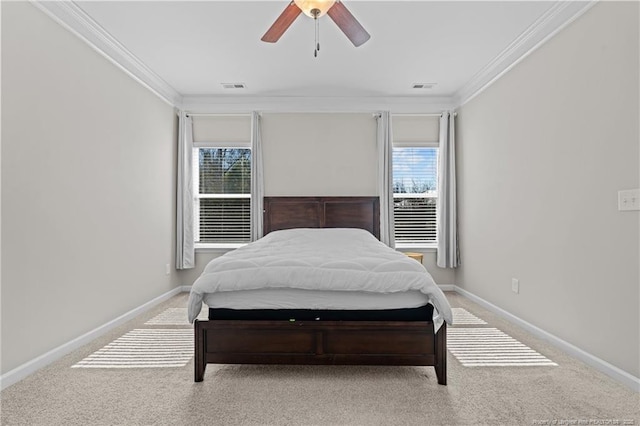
415, 179
222, 208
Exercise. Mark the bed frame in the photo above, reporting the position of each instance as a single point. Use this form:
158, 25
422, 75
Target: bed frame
320, 342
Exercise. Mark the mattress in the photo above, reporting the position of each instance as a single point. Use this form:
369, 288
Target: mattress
291, 298
422, 313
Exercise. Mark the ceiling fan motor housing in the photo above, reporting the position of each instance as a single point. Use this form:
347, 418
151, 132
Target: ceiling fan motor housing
314, 8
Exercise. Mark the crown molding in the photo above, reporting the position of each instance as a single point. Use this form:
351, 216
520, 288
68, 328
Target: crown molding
556, 18
237, 104
73, 18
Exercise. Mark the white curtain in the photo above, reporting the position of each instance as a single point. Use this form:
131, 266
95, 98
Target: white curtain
385, 177
257, 181
448, 254
185, 252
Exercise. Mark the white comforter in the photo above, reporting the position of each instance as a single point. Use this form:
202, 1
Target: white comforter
318, 259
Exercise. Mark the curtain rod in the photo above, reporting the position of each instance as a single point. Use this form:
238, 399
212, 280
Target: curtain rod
423, 115
435, 114
377, 114
248, 114
204, 114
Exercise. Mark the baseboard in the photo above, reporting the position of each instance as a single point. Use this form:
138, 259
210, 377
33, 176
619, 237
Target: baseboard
601, 365
32, 366
447, 287
35, 364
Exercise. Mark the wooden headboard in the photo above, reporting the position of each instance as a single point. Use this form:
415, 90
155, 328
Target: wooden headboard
322, 212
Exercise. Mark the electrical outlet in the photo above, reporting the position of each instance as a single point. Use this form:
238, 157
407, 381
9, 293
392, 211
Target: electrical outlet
629, 199
167, 269
515, 285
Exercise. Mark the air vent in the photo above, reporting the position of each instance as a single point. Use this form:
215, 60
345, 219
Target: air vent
234, 85
423, 85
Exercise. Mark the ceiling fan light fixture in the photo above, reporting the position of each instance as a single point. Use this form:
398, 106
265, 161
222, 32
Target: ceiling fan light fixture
308, 7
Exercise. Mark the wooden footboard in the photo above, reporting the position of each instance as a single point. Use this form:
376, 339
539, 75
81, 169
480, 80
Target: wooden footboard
320, 342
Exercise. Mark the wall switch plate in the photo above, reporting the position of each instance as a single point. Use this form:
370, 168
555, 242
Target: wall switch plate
629, 199
167, 269
515, 285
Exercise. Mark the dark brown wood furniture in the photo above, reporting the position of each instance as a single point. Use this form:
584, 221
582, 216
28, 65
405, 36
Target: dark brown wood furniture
322, 212
320, 342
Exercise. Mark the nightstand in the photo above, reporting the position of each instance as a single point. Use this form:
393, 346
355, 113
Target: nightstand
416, 256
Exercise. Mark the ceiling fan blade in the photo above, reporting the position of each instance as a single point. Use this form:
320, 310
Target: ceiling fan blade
348, 24
281, 24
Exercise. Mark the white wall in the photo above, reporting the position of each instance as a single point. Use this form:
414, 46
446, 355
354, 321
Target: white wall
542, 154
87, 188
319, 154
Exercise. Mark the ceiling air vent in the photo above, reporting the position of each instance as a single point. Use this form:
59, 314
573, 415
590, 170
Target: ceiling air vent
423, 85
234, 85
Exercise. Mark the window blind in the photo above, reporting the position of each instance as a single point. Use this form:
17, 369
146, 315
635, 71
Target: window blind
415, 219
222, 177
415, 179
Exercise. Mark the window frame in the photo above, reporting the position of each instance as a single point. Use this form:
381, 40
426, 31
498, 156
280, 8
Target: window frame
430, 245
213, 246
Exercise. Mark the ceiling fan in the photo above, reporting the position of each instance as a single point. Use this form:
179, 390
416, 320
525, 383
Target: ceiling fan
336, 10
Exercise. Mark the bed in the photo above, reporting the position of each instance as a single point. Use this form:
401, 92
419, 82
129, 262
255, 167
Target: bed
249, 324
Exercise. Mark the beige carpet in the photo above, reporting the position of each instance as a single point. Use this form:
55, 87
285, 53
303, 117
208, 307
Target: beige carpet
569, 393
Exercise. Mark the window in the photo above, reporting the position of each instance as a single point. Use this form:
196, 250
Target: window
222, 188
415, 179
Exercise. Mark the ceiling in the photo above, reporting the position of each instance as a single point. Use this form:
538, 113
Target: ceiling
187, 50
